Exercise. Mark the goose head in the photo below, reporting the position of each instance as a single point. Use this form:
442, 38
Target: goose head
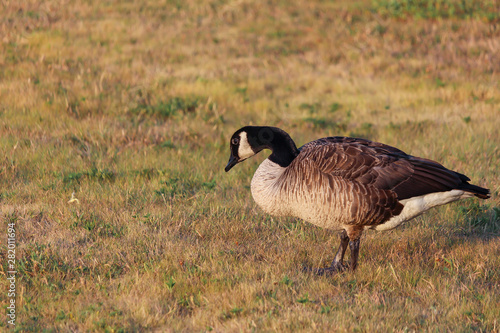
250, 140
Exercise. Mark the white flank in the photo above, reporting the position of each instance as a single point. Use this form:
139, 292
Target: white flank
418, 205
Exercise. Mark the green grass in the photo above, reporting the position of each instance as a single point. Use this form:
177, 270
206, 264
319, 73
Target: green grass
432, 9
130, 106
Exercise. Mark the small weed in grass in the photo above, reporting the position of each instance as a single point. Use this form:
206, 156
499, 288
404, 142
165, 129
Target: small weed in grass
231, 313
61, 315
94, 173
242, 90
236, 310
209, 185
334, 107
147, 173
286, 281
96, 226
38, 258
85, 221
323, 123
440, 83
312, 108
304, 299
116, 313
352, 284
168, 108
114, 270
100, 175
325, 309
170, 283
365, 131
167, 144
438, 9
187, 303
72, 177
177, 187
379, 30
110, 230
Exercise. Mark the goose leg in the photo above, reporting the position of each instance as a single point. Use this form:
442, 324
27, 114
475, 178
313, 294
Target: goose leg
354, 234
354, 247
337, 263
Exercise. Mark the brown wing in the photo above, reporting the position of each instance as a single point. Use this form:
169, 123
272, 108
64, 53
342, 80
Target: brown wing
383, 167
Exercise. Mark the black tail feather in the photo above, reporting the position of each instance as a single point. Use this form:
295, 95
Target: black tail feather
478, 191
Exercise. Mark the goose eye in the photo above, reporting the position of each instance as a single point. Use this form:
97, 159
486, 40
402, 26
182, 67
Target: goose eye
235, 141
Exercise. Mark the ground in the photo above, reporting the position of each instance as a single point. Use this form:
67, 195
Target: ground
115, 120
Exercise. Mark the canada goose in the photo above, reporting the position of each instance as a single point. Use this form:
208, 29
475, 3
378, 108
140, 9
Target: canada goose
345, 183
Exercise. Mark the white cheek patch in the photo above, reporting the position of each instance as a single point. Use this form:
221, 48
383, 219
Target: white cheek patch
244, 149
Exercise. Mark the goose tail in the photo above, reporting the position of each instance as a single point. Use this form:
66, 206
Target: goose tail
477, 191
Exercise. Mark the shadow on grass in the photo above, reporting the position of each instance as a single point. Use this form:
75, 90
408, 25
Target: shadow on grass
478, 222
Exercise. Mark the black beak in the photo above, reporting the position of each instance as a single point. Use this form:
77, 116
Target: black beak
232, 162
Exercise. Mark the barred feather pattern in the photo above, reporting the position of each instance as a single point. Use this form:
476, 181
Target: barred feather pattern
341, 182
321, 199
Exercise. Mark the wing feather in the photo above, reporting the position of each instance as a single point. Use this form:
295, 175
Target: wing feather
381, 166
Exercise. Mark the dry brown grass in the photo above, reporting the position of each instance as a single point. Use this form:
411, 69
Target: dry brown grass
131, 104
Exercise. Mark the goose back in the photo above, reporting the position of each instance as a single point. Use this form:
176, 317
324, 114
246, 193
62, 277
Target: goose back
339, 181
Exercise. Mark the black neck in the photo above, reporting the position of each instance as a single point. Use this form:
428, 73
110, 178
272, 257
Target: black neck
281, 144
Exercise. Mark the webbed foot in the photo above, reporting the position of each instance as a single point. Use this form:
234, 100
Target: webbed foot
333, 269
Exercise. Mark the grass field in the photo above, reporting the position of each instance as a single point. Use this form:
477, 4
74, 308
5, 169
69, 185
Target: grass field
129, 107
